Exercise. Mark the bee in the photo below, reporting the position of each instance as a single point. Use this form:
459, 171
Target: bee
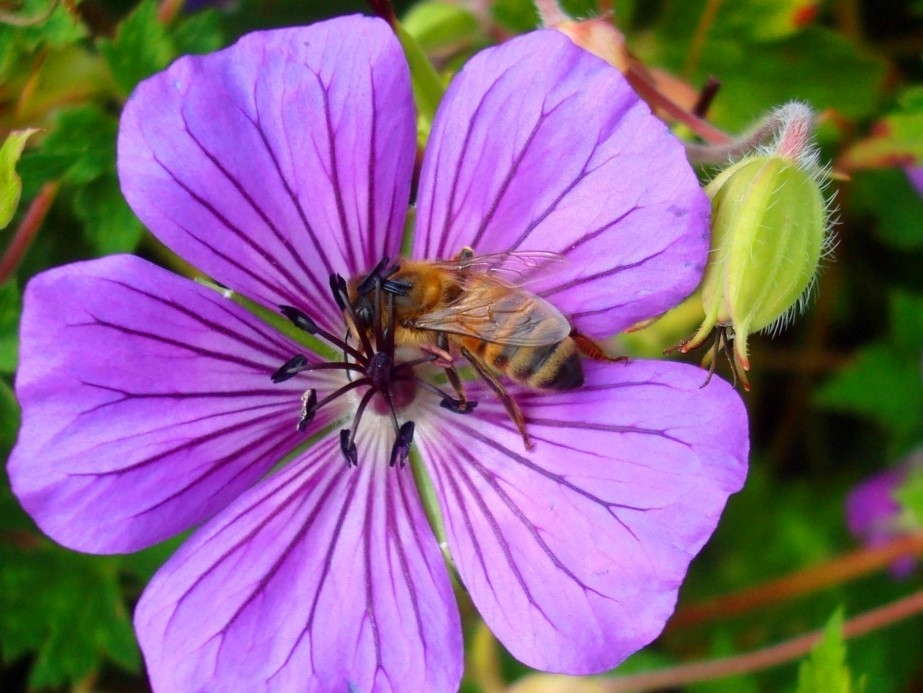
478, 308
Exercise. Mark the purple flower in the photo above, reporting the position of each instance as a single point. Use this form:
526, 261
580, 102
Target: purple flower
874, 515
915, 176
148, 407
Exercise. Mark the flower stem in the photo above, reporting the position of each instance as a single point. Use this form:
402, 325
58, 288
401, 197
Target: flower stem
648, 91
27, 230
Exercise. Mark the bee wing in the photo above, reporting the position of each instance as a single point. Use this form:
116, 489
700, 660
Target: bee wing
500, 314
513, 268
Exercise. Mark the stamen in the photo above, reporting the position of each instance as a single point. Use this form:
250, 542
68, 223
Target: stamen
348, 448
289, 369
299, 364
347, 445
299, 319
401, 448
308, 408
303, 322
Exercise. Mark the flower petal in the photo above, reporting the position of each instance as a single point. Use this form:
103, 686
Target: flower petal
539, 145
277, 161
574, 553
147, 403
322, 578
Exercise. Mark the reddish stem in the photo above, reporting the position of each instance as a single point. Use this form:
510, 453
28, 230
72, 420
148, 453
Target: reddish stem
765, 658
649, 92
28, 228
801, 583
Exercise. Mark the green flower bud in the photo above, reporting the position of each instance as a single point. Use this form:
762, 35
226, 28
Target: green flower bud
769, 234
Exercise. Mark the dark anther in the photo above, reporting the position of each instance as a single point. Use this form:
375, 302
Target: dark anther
368, 283
401, 448
348, 448
457, 406
299, 319
338, 289
378, 278
290, 369
308, 407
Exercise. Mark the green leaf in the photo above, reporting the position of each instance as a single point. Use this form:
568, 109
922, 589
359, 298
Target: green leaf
10, 310
65, 607
815, 65
60, 28
109, 225
825, 670
858, 389
79, 149
199, 33
10, 182
910, 497
905, 312
896, 140
141, 47
428, 86
896, 206
438, 26
517, 15
9, 418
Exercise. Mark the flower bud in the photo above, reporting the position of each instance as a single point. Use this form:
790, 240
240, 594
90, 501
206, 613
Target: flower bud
769, 233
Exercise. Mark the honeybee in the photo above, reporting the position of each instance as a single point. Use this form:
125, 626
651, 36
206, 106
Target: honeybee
473, 306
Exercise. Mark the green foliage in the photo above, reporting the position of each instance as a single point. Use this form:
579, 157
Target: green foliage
39, 613
109, 225
9, 418
141, 47
910, 497
897, 138
10, 308
890, 366
79, 149
887, 197
825, 670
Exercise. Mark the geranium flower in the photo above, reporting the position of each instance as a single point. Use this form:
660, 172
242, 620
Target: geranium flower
148, 407
874, 514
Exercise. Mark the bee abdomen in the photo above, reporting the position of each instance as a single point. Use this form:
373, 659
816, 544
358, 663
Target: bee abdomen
551, 367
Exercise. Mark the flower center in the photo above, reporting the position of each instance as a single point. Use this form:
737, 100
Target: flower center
372, 364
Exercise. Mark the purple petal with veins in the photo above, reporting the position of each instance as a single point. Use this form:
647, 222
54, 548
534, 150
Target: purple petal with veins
277, 161
318, 578
147, 404
539, 145
574, 552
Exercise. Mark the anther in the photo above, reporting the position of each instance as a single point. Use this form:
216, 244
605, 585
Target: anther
457, 406
338, 289
308, 408
372, 278
299, 319
401, 448
348, 448
290, 369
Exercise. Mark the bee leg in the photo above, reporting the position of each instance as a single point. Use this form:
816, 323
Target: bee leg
508, 402
591, 350
464, 406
